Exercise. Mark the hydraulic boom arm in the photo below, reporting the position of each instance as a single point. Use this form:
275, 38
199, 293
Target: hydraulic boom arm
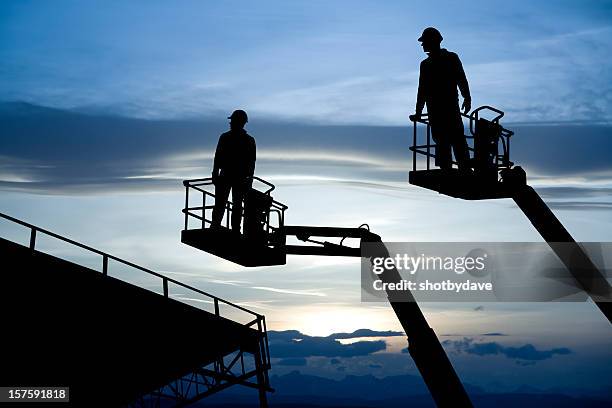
586, 274
423, 345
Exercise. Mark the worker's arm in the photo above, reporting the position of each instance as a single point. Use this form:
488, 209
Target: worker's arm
420, 104
217, 161
464, 88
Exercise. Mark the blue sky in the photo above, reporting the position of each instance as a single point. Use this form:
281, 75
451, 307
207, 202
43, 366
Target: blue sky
106, 106
335, 62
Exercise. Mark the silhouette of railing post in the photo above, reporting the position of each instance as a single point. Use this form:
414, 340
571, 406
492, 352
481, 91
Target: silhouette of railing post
265, 333
261, 377
428, 146
414, 143
105, 265
32, 238
203, 210
229, 213
186, 206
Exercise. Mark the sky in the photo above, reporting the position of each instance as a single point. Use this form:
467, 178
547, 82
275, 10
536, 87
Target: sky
107, 106
331, 62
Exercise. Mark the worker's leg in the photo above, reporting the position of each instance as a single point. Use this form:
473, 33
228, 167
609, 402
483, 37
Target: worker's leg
460, 146
222, 190
238, 192
440, 135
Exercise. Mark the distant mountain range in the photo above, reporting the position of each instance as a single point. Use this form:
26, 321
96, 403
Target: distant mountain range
298, 390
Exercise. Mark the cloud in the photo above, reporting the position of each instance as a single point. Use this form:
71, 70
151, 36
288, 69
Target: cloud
293, 344
578, 198
491, 334
258, 304
263, 304
339, 64
229, 282
563, 192
303, 156
306, 292
375, 99
87, 153
581, 206
365, 333
104, 153
562, 38
296, 362
526, 352
562, 150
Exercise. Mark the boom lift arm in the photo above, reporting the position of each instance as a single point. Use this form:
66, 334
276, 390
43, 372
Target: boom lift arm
268, 246
585, 272
423, 345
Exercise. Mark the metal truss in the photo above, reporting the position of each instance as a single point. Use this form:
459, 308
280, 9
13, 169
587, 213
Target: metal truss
238, 368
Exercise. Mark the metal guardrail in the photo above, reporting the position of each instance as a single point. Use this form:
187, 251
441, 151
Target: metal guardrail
259, 322
501, 160
200, 185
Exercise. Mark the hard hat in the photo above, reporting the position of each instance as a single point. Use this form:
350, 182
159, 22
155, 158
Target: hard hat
240, 115
430, 34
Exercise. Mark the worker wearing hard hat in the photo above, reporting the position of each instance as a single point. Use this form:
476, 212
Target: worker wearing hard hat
233, 168
441, 73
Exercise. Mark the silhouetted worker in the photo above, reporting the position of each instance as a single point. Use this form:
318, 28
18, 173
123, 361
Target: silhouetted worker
440, 75
233, 168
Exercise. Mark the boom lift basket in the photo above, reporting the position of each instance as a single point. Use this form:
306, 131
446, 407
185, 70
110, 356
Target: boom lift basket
489, 147
261, 243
